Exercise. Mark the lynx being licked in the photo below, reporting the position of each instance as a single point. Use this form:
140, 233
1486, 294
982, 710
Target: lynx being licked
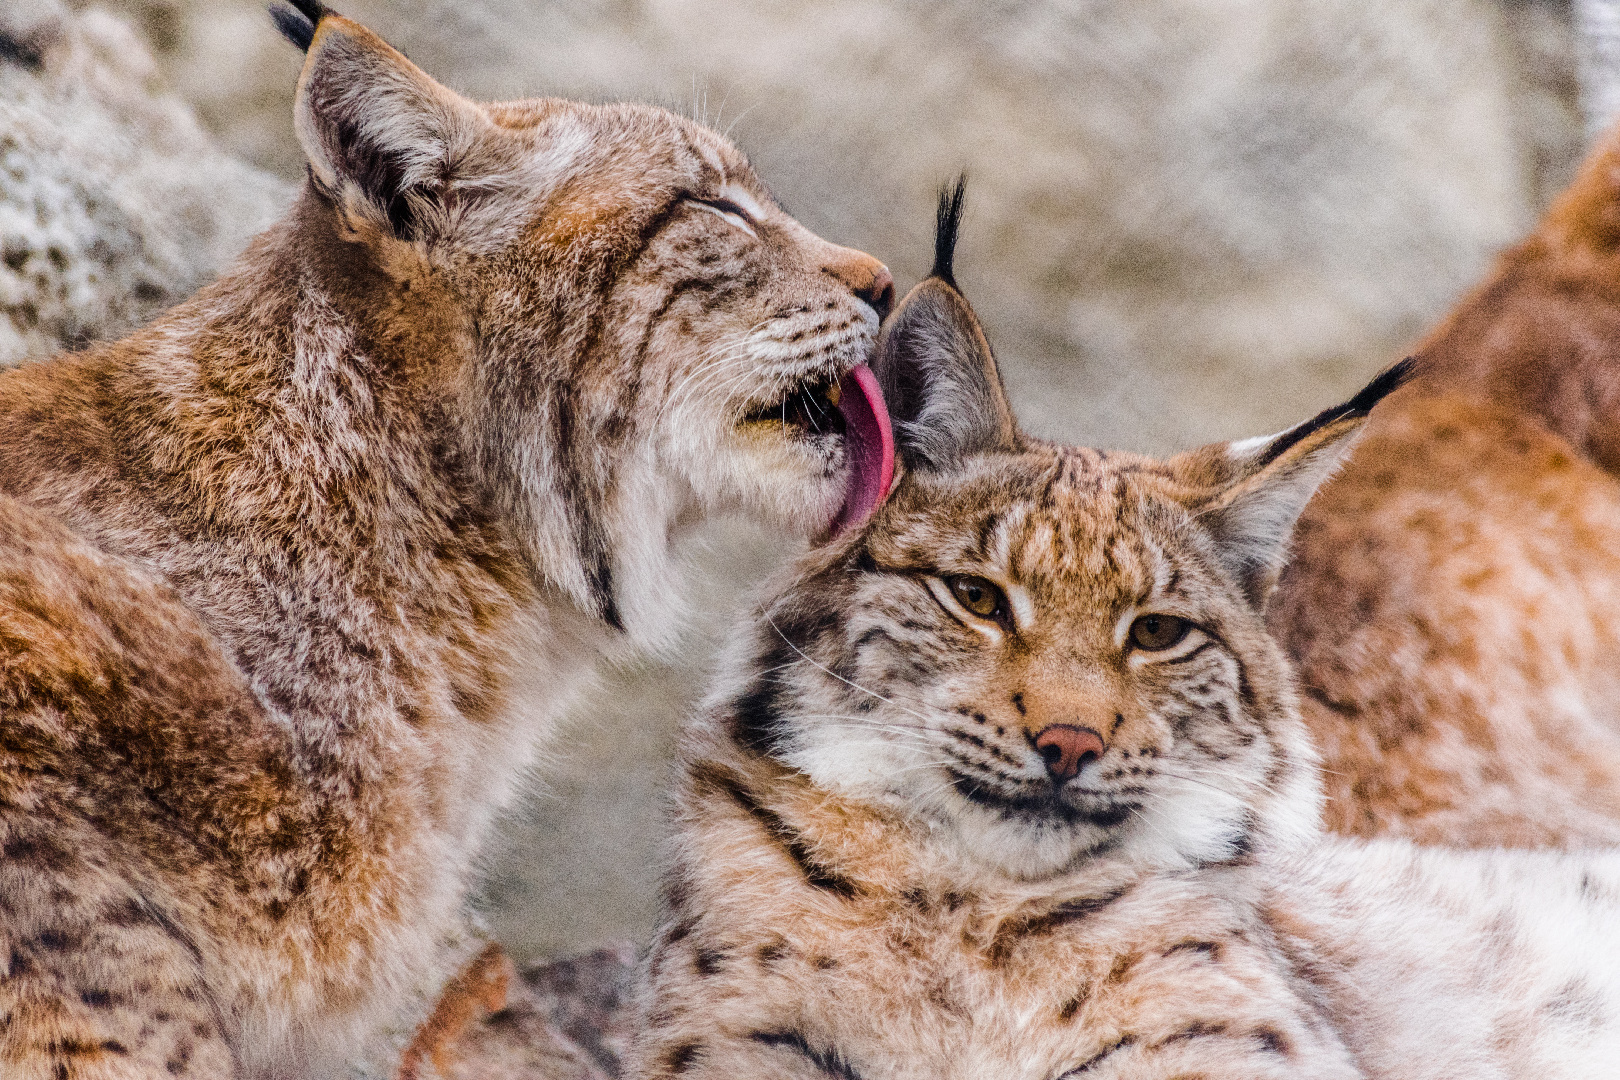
294, 580
1011, 784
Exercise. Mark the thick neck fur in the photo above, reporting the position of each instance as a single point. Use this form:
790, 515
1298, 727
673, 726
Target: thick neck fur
303, 477
302, 467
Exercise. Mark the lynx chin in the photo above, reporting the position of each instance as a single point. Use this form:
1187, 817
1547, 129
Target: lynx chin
294, 580
1012, 783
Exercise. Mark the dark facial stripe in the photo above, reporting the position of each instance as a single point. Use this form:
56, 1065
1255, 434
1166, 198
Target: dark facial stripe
830, 1062
583, 493
716, 778
584, 498
756, 714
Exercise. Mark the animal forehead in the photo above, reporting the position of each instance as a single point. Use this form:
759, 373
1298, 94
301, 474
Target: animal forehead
644, 135
1052, 520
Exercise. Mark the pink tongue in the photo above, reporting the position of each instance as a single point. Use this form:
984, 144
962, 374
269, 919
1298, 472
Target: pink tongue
869, 444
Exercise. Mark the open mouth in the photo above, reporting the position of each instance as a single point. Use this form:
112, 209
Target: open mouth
850, 408
810, 409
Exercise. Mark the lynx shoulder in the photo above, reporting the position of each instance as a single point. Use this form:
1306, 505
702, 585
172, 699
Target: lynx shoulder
294, 580
1012, 782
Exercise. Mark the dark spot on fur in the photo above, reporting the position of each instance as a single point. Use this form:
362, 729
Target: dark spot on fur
1273, 1040
1579, 1004
1015, 930
709, 961
1211, 949
27, 55
97, 999
830, 1062
1069, 1009
1122, 966
37, 852
683, 1057
1123, 1042
1198, 1029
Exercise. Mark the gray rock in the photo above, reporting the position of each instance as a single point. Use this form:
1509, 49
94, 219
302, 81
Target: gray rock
114, 203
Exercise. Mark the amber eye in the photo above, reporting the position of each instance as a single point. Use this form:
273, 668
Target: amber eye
1155, 633
976, 594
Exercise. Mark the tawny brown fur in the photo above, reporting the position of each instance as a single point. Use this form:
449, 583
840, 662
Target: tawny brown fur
293, 581
1450, 604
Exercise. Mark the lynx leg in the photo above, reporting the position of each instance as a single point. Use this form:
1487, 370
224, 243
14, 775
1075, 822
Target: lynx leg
477, 990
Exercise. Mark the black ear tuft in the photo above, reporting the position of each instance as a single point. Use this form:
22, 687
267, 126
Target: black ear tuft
947, 220
1384, 383
297, 19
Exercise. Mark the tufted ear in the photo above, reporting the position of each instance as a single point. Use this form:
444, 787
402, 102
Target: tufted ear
1256, 489
384, 141
938, 374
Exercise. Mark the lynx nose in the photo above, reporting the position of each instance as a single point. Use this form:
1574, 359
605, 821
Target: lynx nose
879, 292
1066, 748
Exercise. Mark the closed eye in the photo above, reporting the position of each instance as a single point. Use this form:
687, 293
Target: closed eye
727, 211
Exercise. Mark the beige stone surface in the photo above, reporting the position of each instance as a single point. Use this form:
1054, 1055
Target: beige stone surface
114, 202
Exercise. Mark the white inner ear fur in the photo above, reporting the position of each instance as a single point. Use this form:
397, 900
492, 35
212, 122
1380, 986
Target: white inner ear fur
1258, 512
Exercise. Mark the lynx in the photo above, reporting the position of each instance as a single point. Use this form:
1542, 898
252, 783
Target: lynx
294, 580
1012, 783
1450, 599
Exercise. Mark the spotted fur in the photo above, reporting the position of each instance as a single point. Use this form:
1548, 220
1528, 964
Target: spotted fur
293, 581
880, 875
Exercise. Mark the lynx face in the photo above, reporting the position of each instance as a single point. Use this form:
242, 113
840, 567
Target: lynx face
623, 327
1040, 654
1047, 653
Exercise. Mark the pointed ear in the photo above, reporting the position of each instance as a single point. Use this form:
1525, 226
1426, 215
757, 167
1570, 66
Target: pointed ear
1257, 488
938, 374
384, 140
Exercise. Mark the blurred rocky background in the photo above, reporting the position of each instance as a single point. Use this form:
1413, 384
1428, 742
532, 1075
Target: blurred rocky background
1188, 220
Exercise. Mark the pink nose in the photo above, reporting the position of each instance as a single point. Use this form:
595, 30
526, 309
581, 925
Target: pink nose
1066, 748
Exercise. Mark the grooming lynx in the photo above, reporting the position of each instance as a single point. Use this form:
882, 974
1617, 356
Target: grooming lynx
1012, 784
293, 581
